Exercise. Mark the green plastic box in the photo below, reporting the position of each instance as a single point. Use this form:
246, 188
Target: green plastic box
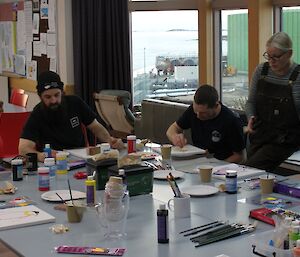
139, 178
101, 168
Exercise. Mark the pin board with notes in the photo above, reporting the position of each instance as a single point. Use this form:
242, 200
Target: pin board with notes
28, 42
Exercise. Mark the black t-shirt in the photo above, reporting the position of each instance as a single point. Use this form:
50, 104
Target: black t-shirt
222, 135
63, 131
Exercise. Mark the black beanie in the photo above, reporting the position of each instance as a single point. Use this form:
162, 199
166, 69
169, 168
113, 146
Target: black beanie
48, 80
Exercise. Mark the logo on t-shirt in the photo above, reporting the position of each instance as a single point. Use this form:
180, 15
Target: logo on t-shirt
216, 136
74, 122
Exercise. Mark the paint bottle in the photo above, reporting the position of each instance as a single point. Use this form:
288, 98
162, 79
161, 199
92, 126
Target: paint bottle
162, 224
61, 171
131, 144
47, 151
50, 162
17, 169
105, 147
44, 178
90, 191
122, 174
231, 181
296, 250
61, 163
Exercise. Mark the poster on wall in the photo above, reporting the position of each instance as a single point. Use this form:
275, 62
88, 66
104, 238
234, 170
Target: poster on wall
44, 9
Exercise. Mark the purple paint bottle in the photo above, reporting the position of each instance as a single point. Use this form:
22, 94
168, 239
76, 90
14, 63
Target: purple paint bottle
162, 225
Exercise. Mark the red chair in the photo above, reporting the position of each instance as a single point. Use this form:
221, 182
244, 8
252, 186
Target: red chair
14, 91
20, 99
11, 125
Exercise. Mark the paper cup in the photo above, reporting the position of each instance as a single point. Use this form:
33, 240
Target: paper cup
166, 151
75, 211
205, 172
266, 184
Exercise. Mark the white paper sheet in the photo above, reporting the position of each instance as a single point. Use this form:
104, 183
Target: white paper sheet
31, 70
19, 64
28, 20
36, 23
21, 36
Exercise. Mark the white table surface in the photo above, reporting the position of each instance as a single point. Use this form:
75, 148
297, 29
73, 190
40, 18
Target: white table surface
37, 241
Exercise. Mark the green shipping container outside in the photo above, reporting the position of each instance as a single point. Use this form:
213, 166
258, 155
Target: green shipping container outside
291, 21
237, 53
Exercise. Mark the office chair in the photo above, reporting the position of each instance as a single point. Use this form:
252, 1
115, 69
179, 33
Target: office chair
11, 126
111, 109
14, 91
20, 99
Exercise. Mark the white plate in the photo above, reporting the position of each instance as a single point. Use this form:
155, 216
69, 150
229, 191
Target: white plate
64, 194
162, 174
200, 190
186, 151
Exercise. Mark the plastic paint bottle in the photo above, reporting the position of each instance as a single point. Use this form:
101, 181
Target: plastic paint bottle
122, 175
90, 190
17, 169
296, 250
105, 147
162, 224
50, 162
131, 144
231, 181
47, 151
61, 163
61, 171
44, 178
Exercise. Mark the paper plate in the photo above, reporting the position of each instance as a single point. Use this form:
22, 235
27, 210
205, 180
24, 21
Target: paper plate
200, 190
64, 194
162, 174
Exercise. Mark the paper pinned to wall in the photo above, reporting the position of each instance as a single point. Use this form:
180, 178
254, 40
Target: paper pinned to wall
21, 36
36, 23
31, 70
51, 15
28, 20
52, 65
19, 64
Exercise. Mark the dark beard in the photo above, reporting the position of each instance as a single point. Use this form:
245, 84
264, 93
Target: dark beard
55, 114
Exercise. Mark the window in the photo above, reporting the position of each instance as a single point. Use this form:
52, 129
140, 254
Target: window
290, 25
164, 53
234, 58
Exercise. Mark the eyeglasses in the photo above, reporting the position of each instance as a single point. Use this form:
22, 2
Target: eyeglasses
273, 58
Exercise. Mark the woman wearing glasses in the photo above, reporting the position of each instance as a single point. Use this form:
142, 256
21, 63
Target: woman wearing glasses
273, 106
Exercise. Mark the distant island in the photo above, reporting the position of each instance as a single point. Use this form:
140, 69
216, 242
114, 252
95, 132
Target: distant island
171, 30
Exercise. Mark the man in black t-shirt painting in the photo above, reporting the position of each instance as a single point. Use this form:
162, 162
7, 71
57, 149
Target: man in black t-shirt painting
57, 120
213, 126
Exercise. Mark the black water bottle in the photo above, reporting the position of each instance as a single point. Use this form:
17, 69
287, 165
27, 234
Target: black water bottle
162, 225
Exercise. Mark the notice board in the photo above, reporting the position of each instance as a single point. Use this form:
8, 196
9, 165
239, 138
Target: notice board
28, 44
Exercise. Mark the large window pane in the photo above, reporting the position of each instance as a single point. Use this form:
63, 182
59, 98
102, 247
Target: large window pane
165, 53
234, 53
290, 24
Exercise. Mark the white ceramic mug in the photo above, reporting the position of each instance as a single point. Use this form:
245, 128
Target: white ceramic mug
181, 206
